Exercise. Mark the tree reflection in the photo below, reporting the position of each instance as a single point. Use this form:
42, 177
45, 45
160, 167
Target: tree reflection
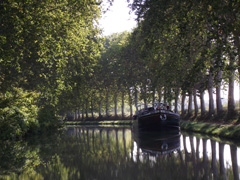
214, 160
202, 163
234, 162
221, 161
117, 153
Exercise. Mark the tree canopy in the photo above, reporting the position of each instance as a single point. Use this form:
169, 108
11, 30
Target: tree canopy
52, 53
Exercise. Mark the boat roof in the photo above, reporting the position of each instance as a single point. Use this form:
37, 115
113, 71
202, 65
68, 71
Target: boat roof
151, 104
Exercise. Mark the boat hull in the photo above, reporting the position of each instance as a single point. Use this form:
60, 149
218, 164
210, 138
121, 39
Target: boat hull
161, 120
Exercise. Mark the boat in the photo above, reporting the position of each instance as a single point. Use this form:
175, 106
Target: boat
156, 116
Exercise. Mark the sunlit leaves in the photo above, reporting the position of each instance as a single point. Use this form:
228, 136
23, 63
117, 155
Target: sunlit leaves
40, 39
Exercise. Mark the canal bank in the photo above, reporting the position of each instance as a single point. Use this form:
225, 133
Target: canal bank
222, 130
101, 123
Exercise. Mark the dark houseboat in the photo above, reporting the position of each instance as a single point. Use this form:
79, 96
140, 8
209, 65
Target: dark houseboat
157, 116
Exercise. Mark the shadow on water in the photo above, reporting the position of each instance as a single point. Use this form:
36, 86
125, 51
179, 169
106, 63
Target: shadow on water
119, 153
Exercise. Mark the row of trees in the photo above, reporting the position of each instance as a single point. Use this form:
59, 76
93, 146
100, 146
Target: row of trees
193, 47
107, 85
53, 59
179, 50
48, 49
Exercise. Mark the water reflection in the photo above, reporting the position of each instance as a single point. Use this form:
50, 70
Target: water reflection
210, 159
158, 143
119, 153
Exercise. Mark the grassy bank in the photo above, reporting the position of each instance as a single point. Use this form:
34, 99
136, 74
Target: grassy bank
221, 130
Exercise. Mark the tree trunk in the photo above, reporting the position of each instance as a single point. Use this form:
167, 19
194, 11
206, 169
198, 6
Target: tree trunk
100, 108
183, 104
169, 97
86, 109
160, 94
210, 92
145, 95
92, 108
75, 115
190, 103
136, 98
123, 104
165, 95
107, 103
115, 104
195, 102
82, 111
153, 96
79, 114
130, 103
203, 110
218, 80
231, 103
176, 100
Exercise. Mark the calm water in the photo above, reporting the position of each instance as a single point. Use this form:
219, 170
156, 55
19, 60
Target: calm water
119, 153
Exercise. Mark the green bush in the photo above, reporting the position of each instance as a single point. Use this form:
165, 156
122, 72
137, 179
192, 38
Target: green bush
47, 118
18, 113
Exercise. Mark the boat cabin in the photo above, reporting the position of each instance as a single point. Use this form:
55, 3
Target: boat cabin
153, 107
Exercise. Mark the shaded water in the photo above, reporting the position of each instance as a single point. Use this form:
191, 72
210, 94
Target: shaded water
119, 153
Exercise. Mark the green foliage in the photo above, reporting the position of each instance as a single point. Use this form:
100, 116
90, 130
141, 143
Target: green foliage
47, 118
18, 113
50, 47
40, 39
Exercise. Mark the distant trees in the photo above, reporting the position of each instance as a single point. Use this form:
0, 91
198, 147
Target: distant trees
190, 46
113, 71
179, 49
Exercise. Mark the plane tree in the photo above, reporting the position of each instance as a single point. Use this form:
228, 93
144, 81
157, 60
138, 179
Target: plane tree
204, 37
47, 47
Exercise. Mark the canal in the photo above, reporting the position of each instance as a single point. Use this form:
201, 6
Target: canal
107, 153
